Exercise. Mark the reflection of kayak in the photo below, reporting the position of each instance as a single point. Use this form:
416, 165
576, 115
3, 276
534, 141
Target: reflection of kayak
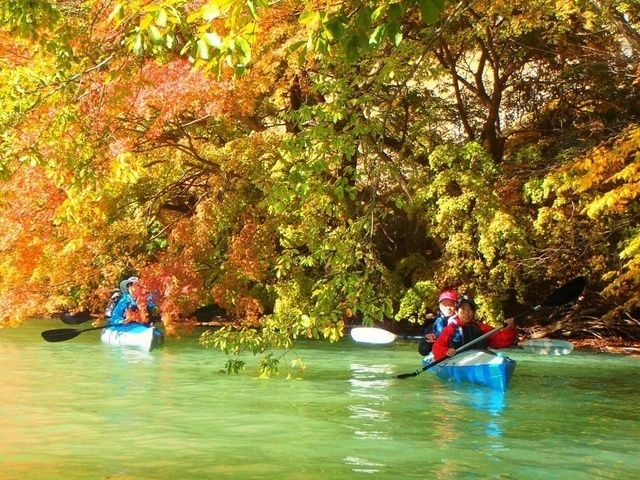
135, 335
481, 367
547, 346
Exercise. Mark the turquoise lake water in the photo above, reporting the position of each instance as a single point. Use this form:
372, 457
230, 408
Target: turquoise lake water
82, 410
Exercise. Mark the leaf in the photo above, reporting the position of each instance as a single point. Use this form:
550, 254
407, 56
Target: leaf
203, 49
377, 35
243, 50
210, 11
430, 10
138, 45
161, 18
117, 13
155, 34
311, 19
212, 39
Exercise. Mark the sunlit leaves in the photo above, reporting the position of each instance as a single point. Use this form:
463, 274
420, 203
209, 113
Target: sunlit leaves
350, 33
604, 184
28, 19
216, 34
482, 239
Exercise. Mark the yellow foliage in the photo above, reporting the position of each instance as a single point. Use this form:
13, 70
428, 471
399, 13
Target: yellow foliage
126, 168
604, 184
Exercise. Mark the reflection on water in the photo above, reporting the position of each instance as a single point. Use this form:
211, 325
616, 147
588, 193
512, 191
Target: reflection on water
372, 393
369, 386
485, 399
363, 466
129, 355
492, 403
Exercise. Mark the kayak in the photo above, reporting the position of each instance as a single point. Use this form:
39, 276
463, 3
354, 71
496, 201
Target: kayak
136, 335
547, 346
482, 367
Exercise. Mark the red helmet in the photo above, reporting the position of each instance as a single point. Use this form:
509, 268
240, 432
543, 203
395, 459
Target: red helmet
448, 294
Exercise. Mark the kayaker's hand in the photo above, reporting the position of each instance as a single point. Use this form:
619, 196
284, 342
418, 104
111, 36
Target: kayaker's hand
451, 352
509, 322
430, 337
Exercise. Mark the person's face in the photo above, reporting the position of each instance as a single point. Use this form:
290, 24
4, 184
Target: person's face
465, 313
447, 307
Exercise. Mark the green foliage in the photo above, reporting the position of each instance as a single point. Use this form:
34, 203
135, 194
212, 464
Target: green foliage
483, 242
269, 365
28, 18
350, 34
417, 302
217, 34
233, 365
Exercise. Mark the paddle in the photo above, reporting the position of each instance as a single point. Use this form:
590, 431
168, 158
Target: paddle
377, 336
76, 318
567, 293
62, 334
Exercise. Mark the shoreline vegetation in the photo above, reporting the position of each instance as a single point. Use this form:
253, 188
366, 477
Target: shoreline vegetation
586, 340
331, 167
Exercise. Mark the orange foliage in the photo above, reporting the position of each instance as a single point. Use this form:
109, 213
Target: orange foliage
252, 250
27, 239
154, 97
12, 52
140, 314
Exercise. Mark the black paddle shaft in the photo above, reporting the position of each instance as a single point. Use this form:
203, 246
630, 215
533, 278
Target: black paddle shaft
567, 293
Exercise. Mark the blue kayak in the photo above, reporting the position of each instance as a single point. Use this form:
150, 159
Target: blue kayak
481, 367
137, 335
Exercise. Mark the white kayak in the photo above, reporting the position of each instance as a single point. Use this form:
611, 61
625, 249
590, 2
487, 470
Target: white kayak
144, 337
547, 346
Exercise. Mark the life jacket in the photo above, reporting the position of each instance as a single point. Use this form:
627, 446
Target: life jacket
440, 323
436, 328
466, 333
111, 304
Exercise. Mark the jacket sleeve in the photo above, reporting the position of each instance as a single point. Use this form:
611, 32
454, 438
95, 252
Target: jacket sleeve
503, 339
441, 345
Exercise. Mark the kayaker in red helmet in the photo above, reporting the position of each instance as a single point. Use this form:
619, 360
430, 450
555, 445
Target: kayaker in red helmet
446, 309
464, 327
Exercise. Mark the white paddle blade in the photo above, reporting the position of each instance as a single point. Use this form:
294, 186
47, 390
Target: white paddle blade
377, 336
547, 346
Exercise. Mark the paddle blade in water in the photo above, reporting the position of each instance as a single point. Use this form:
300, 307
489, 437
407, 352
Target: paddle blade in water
569, 292
60, 334
547, 346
